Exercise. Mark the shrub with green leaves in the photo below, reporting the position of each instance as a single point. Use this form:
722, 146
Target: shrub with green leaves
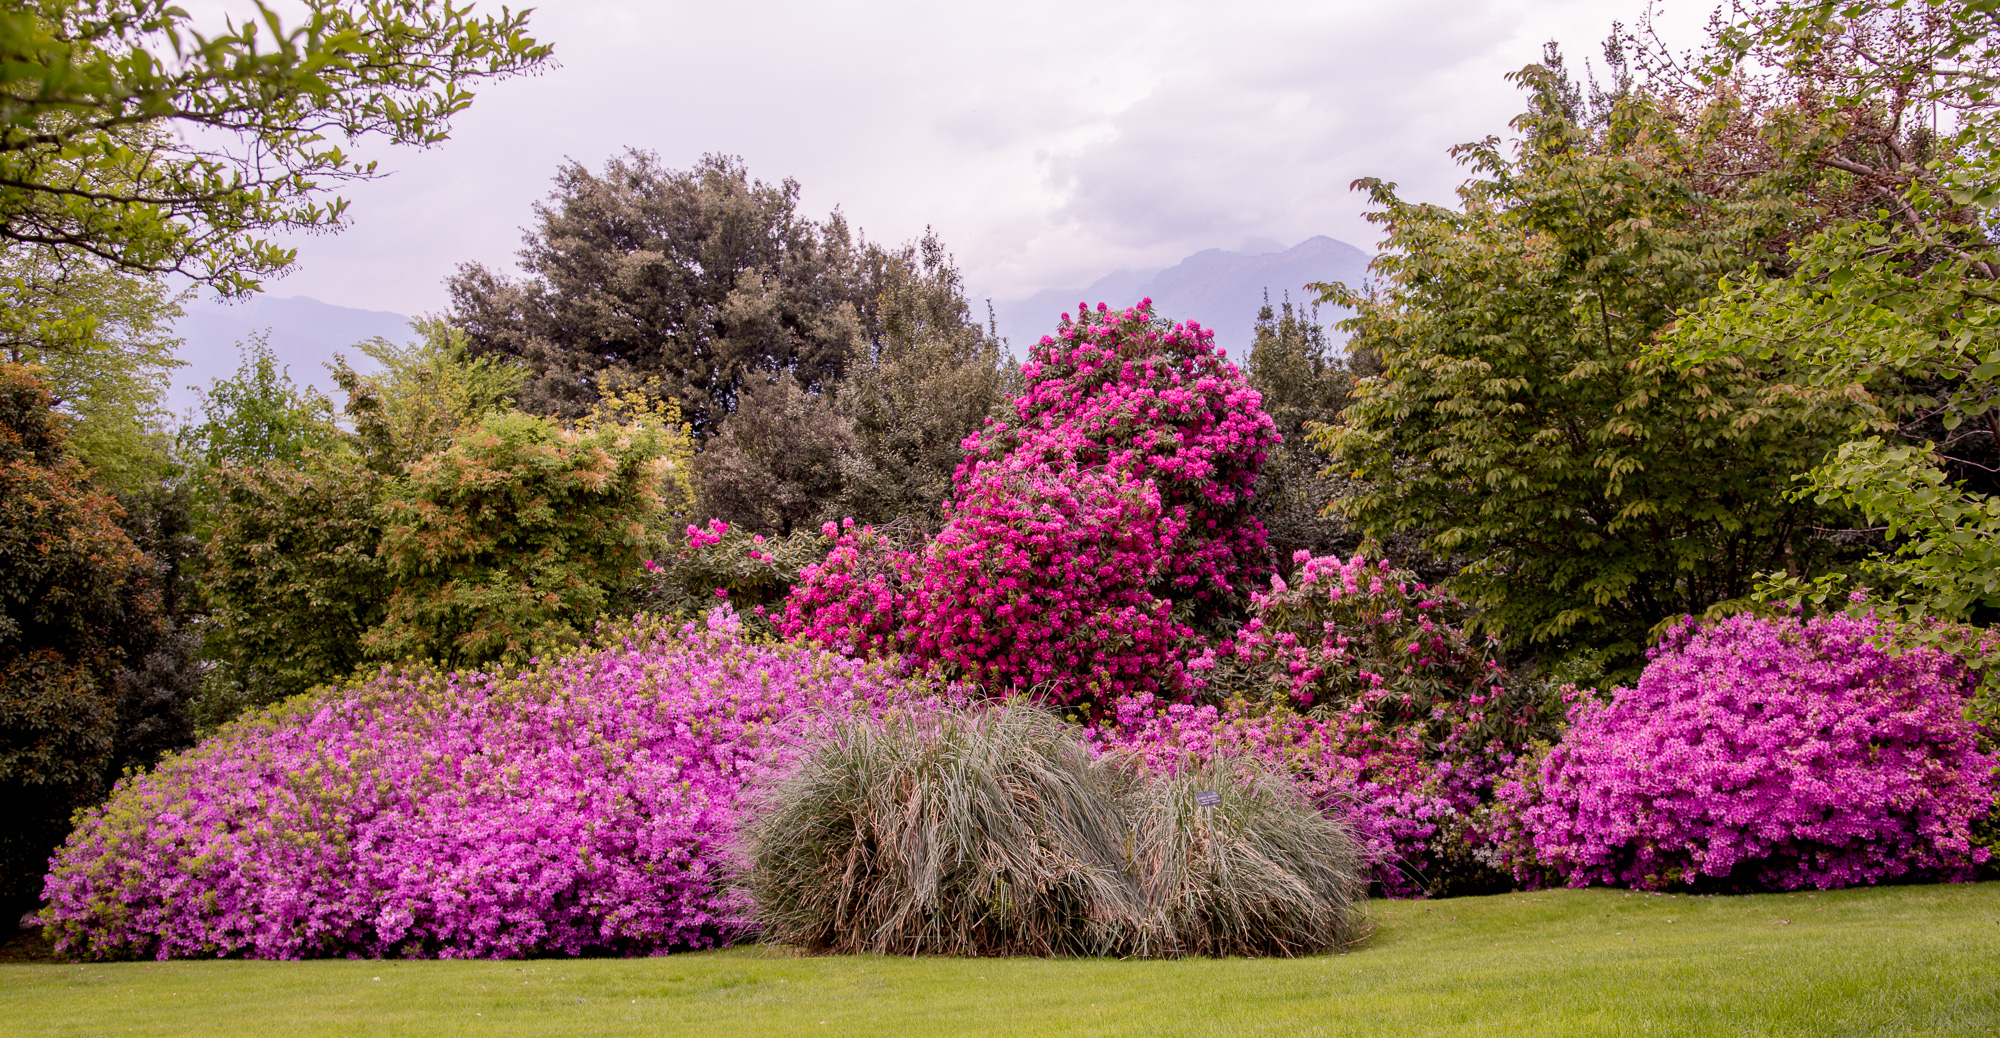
998, 833
517, 536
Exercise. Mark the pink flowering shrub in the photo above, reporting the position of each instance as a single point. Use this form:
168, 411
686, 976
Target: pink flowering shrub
588, 804
717, 562
1092, 534
1763, 754
1046, 581
1127, 393
1400, 802
861, 598
1361, 638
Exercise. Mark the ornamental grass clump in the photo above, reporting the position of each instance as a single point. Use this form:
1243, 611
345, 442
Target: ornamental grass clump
1763, 754
589, 804
998, 833
1259, 872
993, 833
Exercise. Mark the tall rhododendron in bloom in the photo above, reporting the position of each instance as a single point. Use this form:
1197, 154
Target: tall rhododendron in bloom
1094, 530
1765, 753
1124, 392
1046, 581
587, 804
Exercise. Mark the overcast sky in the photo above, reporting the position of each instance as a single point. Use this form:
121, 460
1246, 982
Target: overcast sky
1049, 143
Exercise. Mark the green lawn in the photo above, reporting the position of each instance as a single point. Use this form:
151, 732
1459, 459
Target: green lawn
1909, 960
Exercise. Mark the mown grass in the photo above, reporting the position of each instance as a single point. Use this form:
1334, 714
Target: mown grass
1909, 960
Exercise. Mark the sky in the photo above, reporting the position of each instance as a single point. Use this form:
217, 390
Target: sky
1047, 143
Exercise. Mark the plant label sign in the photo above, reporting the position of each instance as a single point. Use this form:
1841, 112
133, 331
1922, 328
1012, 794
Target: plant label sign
1207, 798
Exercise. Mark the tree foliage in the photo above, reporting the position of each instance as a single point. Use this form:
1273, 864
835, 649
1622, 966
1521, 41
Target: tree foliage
130, 135
75, 595
1305, 381
1521, 421
780, 463
1884, 320
103, 340
517, 535
928, 377
703, 279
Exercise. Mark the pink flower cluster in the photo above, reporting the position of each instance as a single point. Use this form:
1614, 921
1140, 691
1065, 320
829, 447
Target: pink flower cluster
1358, 637
699, 537
1090, 534
1382, 781
588, 804
1045, 581
860, 599
1122, 392
1765, 754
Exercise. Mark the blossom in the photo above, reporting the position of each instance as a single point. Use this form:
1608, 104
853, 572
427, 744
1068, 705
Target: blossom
589, 804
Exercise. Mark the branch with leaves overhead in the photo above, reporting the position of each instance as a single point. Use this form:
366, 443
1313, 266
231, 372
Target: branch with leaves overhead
129, 135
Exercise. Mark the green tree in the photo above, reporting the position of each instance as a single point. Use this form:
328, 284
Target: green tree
258, 414
1304, 382
103, 341
923, 380
424, 394
1885, 319
518, 535
1521, 421
292, 576
129, 135
780, 463
702, 279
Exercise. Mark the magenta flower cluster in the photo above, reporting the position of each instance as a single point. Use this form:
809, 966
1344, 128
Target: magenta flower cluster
1394, 794
1089, 533
1122, 392
585, 805
860, 599
1764, 754
1046, 581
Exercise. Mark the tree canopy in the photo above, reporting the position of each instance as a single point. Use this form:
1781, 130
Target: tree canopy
133, 136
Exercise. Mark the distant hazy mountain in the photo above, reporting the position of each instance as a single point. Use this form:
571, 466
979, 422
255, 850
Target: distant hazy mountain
1222, 290
304, 333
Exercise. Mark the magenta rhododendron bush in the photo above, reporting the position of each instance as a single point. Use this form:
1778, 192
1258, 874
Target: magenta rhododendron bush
1123, 392
1092, 533
588, 804
1047, 580
1765, 754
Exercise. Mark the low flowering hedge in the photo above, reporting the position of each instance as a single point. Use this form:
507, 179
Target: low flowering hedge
588, 804
1762, 754
1401, 803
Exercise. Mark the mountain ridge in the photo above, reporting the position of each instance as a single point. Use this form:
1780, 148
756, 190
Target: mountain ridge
1222, 290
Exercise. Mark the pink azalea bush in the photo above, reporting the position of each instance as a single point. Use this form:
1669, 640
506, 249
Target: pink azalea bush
1762, 754
588, 804
1399, 801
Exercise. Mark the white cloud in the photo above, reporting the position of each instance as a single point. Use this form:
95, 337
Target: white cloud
1048, 142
